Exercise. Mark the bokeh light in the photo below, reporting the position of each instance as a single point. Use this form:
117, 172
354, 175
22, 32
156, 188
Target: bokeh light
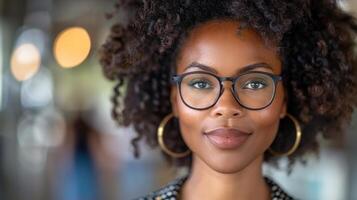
25, 61
72, 47
33, 36
38, 91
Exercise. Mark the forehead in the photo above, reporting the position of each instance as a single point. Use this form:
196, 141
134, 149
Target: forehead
218, 44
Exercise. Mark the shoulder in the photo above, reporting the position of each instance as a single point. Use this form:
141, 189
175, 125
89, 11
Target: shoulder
170, 191
277, 192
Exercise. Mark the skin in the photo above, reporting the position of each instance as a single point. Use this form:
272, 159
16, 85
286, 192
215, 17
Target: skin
234, 173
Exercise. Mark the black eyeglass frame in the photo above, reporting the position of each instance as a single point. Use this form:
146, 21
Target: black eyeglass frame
177, 79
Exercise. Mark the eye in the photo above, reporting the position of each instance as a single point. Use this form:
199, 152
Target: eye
200, 84
254, 85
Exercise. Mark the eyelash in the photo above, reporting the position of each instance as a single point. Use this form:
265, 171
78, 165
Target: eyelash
192, 83
256, 82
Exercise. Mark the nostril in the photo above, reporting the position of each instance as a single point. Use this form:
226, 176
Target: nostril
219, 114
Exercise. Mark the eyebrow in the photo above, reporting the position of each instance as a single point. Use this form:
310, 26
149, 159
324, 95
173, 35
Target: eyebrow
242, 70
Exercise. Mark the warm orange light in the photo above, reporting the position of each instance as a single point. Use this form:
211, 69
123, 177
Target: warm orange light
72, 47
25, 61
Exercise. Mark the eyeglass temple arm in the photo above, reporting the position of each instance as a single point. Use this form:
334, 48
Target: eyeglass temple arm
175, 79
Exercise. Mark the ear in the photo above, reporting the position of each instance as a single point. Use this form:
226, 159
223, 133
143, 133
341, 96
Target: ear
284, 108
173, 99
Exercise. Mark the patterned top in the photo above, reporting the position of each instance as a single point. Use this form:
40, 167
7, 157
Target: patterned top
172, 190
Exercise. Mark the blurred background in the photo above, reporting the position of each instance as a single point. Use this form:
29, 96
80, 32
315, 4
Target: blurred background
57, 138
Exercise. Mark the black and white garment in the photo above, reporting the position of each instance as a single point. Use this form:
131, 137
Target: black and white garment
172, 191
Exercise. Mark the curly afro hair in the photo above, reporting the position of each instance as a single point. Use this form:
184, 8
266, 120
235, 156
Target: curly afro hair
315, 38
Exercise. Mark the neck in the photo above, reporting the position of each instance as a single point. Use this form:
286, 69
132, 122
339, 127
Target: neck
206, 183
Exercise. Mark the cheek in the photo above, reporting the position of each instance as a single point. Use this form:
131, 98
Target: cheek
266, 121
266, 124
190, 123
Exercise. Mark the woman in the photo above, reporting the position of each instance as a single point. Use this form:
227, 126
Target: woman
223, 86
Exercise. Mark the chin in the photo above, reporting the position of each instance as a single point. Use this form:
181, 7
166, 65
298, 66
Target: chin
227, 170
228, 166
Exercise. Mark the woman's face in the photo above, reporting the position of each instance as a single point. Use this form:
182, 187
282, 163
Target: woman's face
217, 45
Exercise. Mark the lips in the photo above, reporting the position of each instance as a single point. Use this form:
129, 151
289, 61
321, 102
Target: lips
227, 138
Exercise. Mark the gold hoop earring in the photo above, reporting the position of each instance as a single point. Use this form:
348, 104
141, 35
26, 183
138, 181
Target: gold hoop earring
160, 136
297, 139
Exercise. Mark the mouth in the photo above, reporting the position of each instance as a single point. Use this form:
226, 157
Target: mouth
227, 138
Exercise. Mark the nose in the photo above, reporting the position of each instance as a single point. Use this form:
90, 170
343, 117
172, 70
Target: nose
227, 106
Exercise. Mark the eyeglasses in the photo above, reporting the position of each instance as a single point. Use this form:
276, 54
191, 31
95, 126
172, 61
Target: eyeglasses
254, 90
